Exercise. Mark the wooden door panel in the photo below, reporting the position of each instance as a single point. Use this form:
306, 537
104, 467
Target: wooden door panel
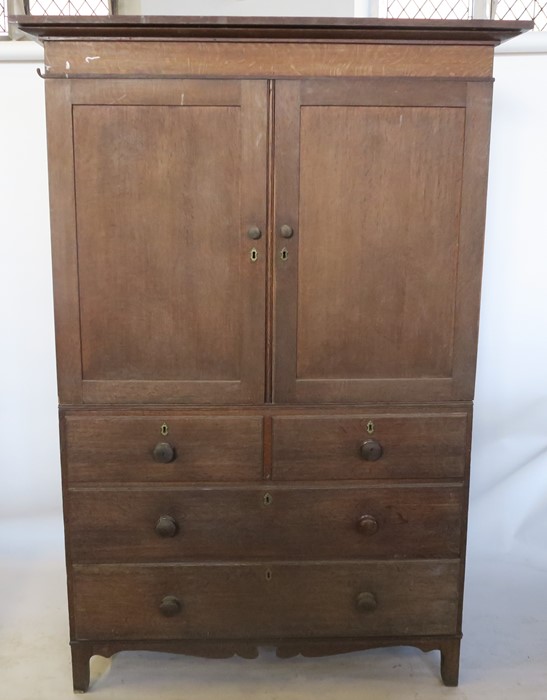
372, 303
168, 178
158, 217
369, 297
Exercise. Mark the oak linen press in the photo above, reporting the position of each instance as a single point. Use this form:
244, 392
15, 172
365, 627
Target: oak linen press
267, 245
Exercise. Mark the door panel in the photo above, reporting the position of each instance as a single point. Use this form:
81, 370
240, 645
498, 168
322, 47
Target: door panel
370, 302
165, 202
368, 288
168, 179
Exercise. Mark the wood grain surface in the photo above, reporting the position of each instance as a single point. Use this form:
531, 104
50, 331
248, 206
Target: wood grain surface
119, 449
414, 446
213, 523
164, 198
297, 600
264, 60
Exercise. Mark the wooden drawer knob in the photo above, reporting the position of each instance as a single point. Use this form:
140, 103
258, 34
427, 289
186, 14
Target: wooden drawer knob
170, 606
367, 524
366, 602
371, 450
167, 526
164, 453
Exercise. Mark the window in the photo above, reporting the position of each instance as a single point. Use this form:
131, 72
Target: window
522, 9
3, 19
467, 9
53, 7
429, 9
72, 7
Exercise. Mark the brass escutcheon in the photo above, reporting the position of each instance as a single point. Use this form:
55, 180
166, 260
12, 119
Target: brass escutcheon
254, 255
370, 427
268, 500
164, 430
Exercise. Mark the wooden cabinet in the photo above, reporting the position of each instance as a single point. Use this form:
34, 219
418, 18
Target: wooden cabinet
267, 243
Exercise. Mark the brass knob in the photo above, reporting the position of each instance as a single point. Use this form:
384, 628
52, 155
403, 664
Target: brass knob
254, 233
366, 602
367, 524
286, 231
371, 450
170, 606
164, 453
167, 526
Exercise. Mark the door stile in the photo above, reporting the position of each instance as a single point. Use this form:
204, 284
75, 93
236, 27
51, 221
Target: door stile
285, 250
254, 212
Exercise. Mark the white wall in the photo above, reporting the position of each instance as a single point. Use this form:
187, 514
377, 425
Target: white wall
510, 440
29, 460
252, 8
509, 484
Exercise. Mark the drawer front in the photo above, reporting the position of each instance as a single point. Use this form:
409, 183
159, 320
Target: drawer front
173, 524
266, 600
118, 449
369, 447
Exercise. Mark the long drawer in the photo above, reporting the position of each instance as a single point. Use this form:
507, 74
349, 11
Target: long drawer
175, 523
370, 446
342, 599
150, 449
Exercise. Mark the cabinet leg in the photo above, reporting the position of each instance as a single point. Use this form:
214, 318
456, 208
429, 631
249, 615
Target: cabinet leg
81, 654
450, 662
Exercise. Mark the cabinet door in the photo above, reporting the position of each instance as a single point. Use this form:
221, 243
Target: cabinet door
382, 183
160, 292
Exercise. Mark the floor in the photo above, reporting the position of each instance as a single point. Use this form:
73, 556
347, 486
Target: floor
504, 654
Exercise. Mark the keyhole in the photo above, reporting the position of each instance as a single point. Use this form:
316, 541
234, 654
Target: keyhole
254, 254
164, 429
370, 427
268, 575
284, 254
268, 500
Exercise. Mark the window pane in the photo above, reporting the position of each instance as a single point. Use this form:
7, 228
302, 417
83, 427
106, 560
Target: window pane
72, 7
429, 9
523, 9
3, 18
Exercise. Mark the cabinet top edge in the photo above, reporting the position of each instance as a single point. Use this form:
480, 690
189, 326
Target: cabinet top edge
50, 28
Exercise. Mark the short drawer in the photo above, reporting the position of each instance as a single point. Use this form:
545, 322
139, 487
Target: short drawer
148, 449
371, 446
174, 524
260, 601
